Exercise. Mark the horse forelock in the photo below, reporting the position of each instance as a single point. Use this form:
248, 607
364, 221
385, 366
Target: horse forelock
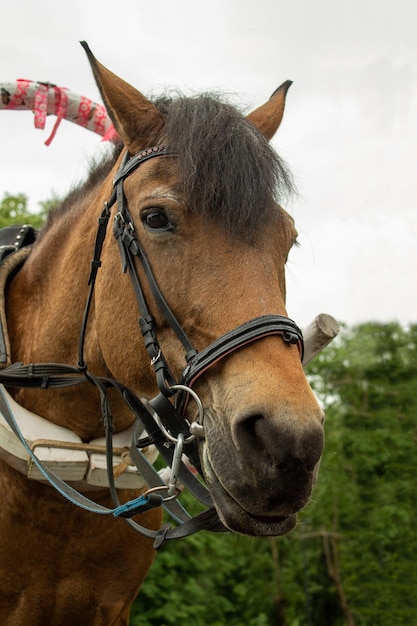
227, 169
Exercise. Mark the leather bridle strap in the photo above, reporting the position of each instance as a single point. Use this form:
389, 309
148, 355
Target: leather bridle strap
130, 247
254, 329
208, 520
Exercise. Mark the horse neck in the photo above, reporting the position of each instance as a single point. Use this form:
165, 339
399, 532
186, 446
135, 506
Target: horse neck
45, 307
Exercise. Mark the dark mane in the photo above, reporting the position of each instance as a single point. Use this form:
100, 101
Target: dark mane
227, 169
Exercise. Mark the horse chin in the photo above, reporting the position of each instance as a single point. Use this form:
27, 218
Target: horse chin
235, 517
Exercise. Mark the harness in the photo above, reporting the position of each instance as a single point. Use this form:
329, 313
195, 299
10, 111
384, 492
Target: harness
163, 417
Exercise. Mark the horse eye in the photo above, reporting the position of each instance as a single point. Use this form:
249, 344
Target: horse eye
157, 220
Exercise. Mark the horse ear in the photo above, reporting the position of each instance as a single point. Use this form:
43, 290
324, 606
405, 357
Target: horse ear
267, 117
135, 118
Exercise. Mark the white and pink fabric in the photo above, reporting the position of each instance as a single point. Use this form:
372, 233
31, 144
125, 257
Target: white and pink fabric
48, 99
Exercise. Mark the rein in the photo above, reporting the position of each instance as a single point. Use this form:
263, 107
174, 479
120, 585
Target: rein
164, 421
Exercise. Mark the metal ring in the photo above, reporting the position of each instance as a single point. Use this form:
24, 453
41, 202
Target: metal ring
164, 430
159, 422
198, 421
163, 488
199, 404
167, 434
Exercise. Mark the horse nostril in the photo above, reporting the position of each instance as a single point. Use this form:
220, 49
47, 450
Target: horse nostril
246, 432
285, 444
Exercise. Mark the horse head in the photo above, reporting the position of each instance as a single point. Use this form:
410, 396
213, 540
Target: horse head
209, 223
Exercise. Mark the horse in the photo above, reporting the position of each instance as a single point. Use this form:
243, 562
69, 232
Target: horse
193, 189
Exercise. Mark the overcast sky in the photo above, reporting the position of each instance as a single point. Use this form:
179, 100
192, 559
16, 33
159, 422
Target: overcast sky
349, 131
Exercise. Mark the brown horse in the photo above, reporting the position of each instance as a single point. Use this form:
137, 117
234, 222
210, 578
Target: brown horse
204, 213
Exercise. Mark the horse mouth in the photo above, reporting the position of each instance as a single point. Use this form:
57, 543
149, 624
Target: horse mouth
235, 517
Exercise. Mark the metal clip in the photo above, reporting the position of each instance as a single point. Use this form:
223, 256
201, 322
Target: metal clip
119, 218
156, 358
175, 467
197, 430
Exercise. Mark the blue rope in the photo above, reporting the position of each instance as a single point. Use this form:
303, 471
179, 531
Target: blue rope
68, 492
138, 505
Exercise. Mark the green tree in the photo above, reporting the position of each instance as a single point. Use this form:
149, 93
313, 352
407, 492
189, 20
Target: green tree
357, 535
14, 210
208, 580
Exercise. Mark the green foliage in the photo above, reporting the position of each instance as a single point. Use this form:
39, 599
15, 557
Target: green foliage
351, 560
367, 485
205, 579
14, 210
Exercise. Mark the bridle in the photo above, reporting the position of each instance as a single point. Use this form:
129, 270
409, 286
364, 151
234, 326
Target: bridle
197, 362
165, 422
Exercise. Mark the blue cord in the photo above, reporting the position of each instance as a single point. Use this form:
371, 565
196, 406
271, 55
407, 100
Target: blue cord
72, 495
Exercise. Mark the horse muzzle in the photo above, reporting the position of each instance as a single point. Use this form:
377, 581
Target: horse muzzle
265, 475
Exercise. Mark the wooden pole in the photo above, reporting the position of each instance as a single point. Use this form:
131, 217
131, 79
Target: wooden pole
317, 335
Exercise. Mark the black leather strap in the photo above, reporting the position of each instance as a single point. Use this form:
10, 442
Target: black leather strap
14, 237
196, 488
208, 520
252, 330
41, 375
